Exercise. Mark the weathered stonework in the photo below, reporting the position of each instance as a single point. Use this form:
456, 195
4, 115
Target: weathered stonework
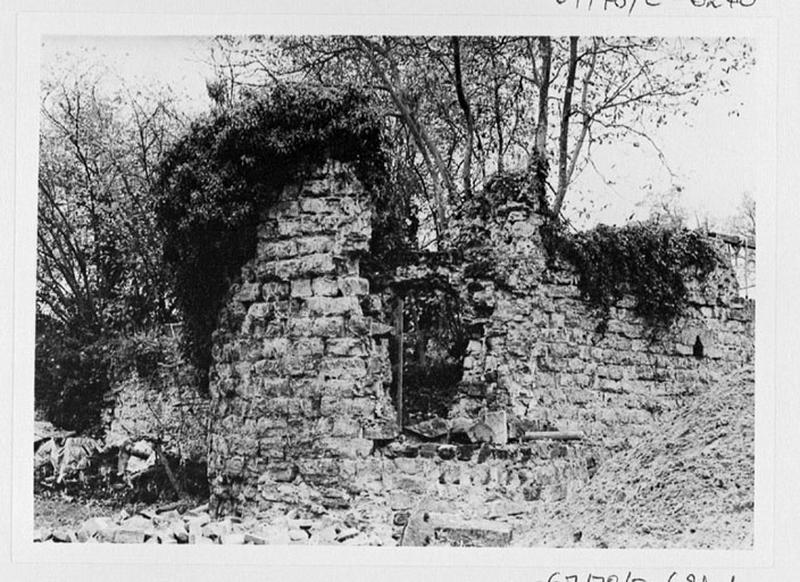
167, 409
300, 371
300, 408
536, 353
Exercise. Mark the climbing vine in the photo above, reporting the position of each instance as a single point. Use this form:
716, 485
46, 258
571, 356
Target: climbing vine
647, 261
231, 164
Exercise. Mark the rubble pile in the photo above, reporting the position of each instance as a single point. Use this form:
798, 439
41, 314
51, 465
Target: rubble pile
376, 521
688, 485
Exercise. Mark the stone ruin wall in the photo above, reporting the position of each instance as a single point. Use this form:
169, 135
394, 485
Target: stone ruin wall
300, 382
171, 412
300, 368
538, 357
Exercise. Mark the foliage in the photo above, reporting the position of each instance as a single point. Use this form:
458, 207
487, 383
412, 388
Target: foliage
99, 269
647, 261
459, 109
229, 166
477, 212
72, 375
145, 354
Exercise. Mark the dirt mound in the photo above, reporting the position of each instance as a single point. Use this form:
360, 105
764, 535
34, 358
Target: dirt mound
689, 485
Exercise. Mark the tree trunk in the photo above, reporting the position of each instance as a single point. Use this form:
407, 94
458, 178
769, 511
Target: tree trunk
466, 175
566, 112
538, 165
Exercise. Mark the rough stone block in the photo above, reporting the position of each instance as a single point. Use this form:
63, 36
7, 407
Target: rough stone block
412, 485
310, 346
308, 265
348, 447
274, 347
451, 530
288, 227
275, 290
353, 286
301, 288
96, 527
345, 427
480, 432
273, 250
382, 429
418, 530
129, 536
345, 347
309, 245
348, 367
249, 292
333, 305
332, 326
325, 286
318, 205
431, 428
498, 423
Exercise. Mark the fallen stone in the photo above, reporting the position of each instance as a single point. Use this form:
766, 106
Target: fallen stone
255, 539
326, 535
347, 534
357, 540
418, 530
298, 535
379, 430
454, 531
232, 539
409, 484
480, 432
64, 536
197, 520
96, 526
276, 535
430, 429
148, 514
498, 423
400, 500
179, 531
129, 536
301, 523
137, 522
503, 508
165, 536
460, 425
167, 517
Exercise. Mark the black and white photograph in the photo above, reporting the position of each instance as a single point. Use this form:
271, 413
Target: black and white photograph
397, 290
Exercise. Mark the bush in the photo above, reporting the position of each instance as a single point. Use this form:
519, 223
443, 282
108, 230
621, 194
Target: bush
72, 375
144, 353
647, 261
229, 166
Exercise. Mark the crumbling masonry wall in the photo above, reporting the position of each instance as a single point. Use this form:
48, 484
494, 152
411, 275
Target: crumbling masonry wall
300, 369
172, 413
536, 354
300, 408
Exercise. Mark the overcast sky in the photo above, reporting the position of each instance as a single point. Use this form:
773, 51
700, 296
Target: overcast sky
709, 152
